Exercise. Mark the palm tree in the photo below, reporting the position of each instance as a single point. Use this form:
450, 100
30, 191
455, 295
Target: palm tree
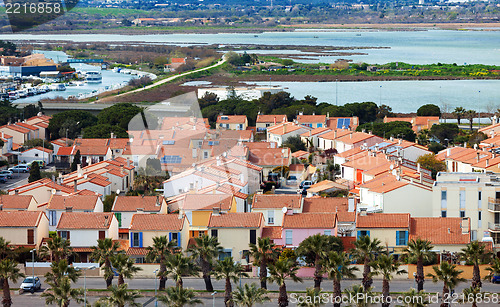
459, 113
450, 277
206, 249
121, 296
315, 249
62, 293
414, 298
421, 251
280, 270
475, 253
263, 254
179, 265
249, 295
494, 268
361, 295
59, 270
57, 248
365, 251
179, 297
470, 115
472, 295
311, 299
5, 248
8, 270
387, 267
158, 253
103, 253
228, 270
124, 267
337, 267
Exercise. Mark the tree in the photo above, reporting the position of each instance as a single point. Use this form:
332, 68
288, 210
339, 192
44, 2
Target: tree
386, 266
60, 269
445, 132
34, 172
494, 268
103, 131
119, 114
120, 296
449, 275
429, 110
8, 270
263, 253
249, 295
5, 248
430, 162
361, 295
338, 266
206, 249
56, 249
73, 120
228, 270
208, 99
384, 110
179, 297
61, 294
158, 253
365, 251
311, 299
472, 295
76, 160
124, 267
315, 249
414, 298
459, 113
421, 251
475, 253
103, 253
280, 271
37, 143
470, 115
295, 143
179, 265
391, 129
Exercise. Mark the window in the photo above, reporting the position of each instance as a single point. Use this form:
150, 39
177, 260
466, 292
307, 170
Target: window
288, 237
319, 126
119, 218
363, 233
443, 213
214, 233
52, 218
174, 236
253, 236
402, 237
479, 196
31, 236
136, 239
225, 254
205, 155
443, 199
270, 217
139, 260
473, 235
328, 232
462, 213
102, 234
479, 219
462, 199
64, 235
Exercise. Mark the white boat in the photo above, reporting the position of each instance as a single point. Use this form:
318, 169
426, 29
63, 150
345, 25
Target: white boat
93, 77
57, 87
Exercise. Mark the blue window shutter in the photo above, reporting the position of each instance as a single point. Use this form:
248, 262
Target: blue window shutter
169, 237
359, 234
406, 237
131, 235
368, 233
140, 239
397, 237
179, 239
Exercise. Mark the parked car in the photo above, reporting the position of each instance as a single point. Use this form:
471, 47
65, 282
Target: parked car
3, 179
41, 163
291, 180
30, 285
6, 173
20, 168
495, 279
306, 184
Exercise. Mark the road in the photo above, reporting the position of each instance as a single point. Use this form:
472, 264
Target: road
172, 78
17, 180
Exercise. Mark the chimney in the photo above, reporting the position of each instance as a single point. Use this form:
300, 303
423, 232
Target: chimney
400, 141
284, 128
3, 135
362, 211
140, 210
494, 155
448, 152
351, 204
112, 135
69, 209
158, 203
79, 169
350, 135
334, 134
421, 177
487, 162
16, 192
477, 157
418, 167
75, 185
215, 211
327, 115
128, 162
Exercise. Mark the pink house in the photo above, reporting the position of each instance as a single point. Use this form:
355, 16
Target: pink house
298, 226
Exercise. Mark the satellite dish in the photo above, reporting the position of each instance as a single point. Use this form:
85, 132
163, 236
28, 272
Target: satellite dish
117, 191
53, 191
85, 176
284, 209
391, 167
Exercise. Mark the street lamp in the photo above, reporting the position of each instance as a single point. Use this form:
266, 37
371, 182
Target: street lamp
85, 269
213, 298
156, 288
33, 264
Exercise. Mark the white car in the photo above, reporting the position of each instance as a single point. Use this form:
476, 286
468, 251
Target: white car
29, 285
6, 173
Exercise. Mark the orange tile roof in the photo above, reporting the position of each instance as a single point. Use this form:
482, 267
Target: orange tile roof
300, 153
303, 119
439, 230
325, 204
49, 151
85, 220
284, 128
335, 134
383, 220
26, 126
61, 142
16, 128
315, 131
276, 201
41, 125
15, 201
20, 218
156, 222
77, 202
356, 137
177, 60
131, 203
310, 220
236, 220
268, 156
271, 118
231, 189
272, 232
137, 251
343, 217
296, 167
232, 119
207, 201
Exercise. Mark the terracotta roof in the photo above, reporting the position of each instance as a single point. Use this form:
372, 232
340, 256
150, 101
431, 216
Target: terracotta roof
41, 125
439, 230
344, 216
64, 151
177, 60
315, 131
16, 128
267, 156
232, 119
231, 189
271, 118
208, 201
40, 149
156, 222
284, 128
272, 232
236, 220
131, 203
83, 249
325, 204
137, 251
61, 142
296, 167
26, 126
77, 202
300, 153
311, 119
335, 134
384, 220
310, 220
276, 201
356, 137
85, 220
20, 218
15, 201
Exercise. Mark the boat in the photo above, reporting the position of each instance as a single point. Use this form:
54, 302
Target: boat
57, 87
93, 77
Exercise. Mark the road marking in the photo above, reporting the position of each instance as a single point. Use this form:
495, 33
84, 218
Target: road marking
148, 302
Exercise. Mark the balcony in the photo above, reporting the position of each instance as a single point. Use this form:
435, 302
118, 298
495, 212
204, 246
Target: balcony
493, 204
494, 227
